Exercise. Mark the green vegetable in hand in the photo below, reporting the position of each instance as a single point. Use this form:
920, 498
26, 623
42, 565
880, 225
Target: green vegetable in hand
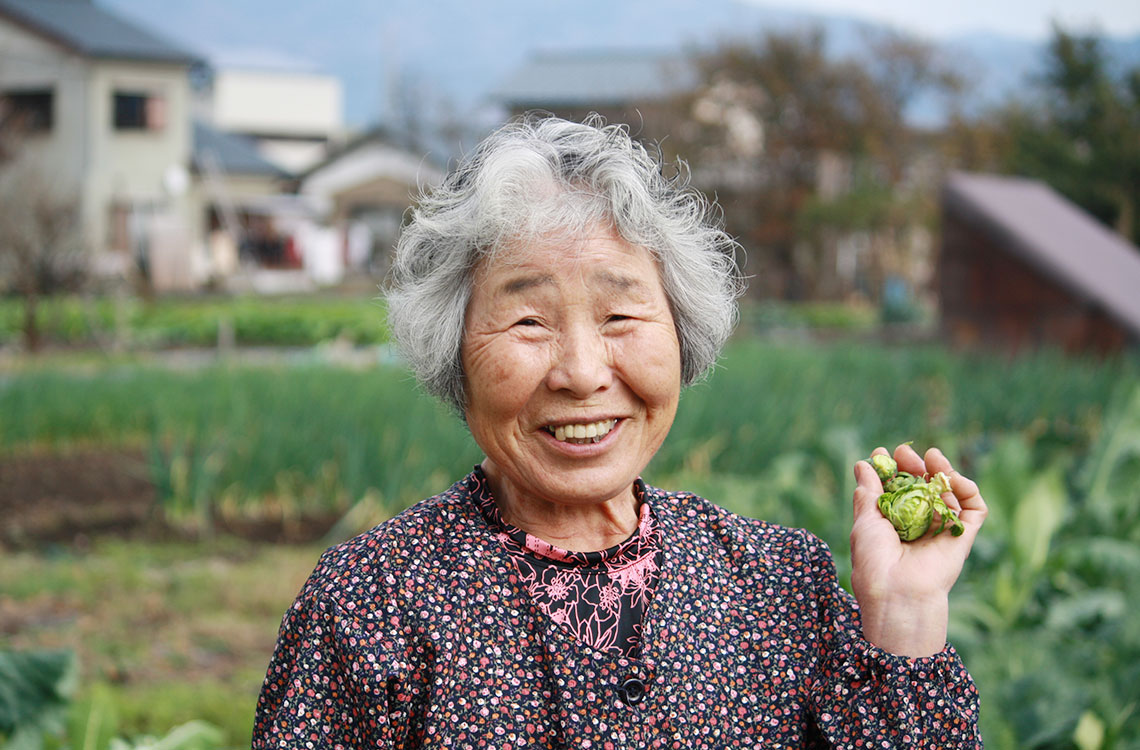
909, 502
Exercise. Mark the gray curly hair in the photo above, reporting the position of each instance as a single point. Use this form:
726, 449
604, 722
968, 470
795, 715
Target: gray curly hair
539, 174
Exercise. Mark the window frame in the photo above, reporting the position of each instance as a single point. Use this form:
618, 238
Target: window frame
34, 110
137, 111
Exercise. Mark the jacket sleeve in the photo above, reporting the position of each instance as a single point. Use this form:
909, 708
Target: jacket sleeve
862, 696
328, 684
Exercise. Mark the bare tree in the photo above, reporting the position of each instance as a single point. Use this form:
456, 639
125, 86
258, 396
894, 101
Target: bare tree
804, 149
41, 249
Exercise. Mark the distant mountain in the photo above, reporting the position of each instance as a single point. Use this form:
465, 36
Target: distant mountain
458, 50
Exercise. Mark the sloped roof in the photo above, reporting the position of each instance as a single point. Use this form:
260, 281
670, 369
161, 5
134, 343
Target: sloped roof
235, 154
90, 30
594, 78
1054, 236
367, 158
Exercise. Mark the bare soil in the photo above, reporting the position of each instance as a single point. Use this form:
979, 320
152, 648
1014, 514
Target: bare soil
48, 497
71, 497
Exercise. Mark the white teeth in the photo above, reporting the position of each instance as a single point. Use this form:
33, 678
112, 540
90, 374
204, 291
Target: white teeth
588, 432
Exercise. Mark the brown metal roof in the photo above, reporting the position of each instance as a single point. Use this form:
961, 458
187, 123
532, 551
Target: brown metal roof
1055, 236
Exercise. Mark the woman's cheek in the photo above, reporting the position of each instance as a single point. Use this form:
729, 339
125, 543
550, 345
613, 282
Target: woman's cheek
660, 360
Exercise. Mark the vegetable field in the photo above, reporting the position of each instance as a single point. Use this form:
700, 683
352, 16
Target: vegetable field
128, 322
1044, 615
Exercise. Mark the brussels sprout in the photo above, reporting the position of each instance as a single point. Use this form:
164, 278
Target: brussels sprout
910, 512
884, 466
900, 482
910, 502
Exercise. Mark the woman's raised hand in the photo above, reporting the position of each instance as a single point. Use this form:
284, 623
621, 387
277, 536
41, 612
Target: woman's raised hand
903, 587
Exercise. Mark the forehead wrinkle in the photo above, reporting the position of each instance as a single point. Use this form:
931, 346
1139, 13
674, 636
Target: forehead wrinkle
529, 273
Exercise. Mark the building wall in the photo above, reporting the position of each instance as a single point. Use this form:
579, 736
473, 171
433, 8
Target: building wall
277, 103
29, 62
140, 168
293, 116
989, 297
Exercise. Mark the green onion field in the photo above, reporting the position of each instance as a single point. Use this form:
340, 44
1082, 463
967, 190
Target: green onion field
167, 622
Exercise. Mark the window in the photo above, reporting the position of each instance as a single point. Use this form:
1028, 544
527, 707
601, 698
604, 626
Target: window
28, 110
138, 111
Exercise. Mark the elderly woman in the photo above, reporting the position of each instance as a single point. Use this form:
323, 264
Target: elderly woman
559, 292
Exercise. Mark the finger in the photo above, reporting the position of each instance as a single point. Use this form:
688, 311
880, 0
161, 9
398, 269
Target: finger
973, 507
867, 479
965, 499
868, 487
952, 502
909, 461
936, 461
971, 523
866, 474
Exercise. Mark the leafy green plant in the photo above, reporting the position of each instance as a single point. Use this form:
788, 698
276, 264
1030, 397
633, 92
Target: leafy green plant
35, 690
1111, 474
1045, 616
94, 724
193, 735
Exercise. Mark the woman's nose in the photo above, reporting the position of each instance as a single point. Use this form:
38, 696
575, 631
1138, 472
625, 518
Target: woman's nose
583, 365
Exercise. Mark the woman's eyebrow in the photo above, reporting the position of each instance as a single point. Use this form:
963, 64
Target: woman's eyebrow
618, 281
520, 284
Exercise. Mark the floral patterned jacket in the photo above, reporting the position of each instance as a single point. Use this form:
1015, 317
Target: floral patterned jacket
419, 633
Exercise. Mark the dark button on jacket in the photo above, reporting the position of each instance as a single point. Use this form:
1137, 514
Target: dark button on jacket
632, 691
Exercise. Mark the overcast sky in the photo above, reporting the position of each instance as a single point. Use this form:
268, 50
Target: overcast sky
1024, 18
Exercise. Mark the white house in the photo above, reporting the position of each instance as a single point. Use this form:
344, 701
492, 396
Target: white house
365, 188
104, 110
290, 111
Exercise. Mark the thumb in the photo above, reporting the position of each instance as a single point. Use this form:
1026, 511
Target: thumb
868, 487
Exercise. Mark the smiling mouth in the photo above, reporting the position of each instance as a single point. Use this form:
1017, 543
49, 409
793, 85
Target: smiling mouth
582, 434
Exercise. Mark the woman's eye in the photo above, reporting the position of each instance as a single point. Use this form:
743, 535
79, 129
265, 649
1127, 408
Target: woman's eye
527, 322
617, 318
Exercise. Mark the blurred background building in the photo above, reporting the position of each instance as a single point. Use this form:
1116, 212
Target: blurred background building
825, 140
101, 109
183, 170
1022, 268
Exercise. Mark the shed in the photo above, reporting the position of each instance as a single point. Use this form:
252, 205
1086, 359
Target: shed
1022, 267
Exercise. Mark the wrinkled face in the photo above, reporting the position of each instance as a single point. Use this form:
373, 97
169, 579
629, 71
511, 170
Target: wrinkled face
572, 367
